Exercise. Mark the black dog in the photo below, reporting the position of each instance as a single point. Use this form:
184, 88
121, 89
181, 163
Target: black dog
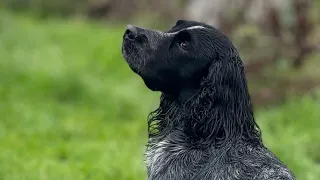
204, 127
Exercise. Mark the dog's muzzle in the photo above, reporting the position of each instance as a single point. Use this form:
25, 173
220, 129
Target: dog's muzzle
131, 33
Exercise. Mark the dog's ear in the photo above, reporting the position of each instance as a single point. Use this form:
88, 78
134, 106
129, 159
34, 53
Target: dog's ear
226, 89
226, 75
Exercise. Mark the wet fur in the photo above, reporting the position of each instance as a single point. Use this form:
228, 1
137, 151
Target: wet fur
207, 131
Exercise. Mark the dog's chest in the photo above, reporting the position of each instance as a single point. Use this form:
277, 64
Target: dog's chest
172, 161
175, 162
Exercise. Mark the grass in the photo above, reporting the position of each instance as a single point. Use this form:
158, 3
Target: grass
72, 109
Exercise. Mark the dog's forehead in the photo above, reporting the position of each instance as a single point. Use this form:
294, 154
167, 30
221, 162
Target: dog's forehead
175, 31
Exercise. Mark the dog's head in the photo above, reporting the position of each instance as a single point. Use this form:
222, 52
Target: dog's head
178, 58
194, 62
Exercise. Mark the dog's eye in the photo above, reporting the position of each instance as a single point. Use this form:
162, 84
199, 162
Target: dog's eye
183, 45
183, 39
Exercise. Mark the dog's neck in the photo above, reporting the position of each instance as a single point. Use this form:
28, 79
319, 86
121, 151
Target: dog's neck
206, 117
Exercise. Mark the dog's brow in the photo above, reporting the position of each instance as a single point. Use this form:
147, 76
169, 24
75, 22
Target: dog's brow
188, 28
194, 27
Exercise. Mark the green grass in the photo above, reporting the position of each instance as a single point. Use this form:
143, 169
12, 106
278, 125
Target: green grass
72, 109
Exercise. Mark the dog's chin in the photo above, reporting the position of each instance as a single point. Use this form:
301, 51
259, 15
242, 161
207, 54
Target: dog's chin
132, 64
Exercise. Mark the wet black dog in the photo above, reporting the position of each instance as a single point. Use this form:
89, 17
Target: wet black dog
204, 127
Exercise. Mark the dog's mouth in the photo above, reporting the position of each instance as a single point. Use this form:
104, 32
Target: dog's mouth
131, 48
129, 51
129, 37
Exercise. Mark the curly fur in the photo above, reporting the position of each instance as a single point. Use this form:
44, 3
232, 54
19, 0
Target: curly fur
207, 130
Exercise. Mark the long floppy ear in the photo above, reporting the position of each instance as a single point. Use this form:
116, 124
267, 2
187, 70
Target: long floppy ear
226, 72
226, 75
226, 111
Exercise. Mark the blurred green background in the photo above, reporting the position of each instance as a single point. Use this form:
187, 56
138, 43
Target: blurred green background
70, 107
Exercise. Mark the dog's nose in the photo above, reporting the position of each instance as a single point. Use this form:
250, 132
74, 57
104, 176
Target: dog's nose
131, 32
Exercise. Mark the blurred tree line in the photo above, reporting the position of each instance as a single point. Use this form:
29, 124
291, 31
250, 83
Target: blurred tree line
119, 10
272, 35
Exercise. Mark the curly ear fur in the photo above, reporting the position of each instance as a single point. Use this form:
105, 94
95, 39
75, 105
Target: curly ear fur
217, 113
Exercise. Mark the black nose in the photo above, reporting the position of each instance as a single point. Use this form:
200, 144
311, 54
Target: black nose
131, 32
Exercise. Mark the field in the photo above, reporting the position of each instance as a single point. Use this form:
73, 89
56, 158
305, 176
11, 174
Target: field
72, 109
